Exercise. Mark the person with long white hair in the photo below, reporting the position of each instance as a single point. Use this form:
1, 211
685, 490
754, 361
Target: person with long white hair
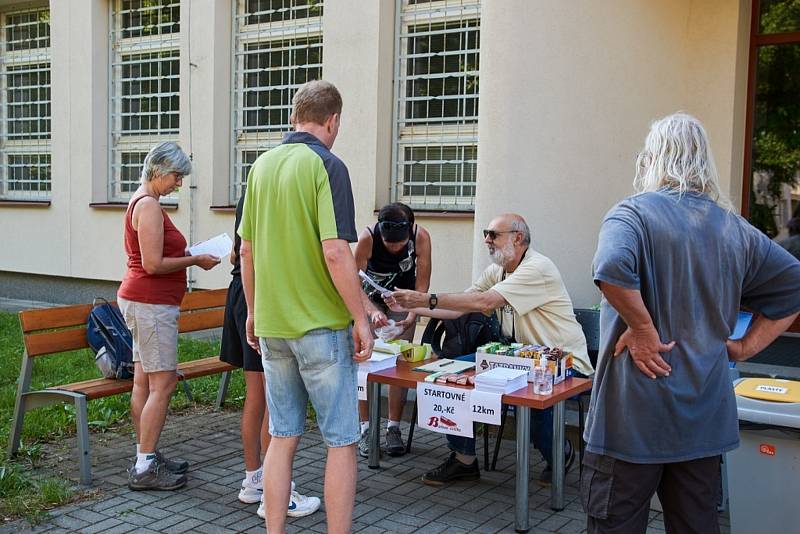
674, 264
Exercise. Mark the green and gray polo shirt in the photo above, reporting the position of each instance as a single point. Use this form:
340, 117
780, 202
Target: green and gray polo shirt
298, 195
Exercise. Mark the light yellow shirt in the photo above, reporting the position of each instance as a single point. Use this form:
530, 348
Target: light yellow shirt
539, 309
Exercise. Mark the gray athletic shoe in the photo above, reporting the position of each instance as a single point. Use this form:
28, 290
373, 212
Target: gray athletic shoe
394, 442
173, 465
363, 444
156, 477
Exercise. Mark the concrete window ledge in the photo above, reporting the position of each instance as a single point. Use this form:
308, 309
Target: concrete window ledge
123, 206
24, 203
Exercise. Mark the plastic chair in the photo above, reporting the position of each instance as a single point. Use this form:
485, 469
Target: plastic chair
590, 323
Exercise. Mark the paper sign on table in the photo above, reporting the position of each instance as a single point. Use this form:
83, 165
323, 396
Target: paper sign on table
362, 384
444, 409
484, 407
219, 246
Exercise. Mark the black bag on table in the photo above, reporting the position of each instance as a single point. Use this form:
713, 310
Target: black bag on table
110, 339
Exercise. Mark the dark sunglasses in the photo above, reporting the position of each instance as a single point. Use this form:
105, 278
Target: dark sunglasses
392, 225
492, 234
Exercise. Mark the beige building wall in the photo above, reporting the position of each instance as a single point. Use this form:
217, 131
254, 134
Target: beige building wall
568, 90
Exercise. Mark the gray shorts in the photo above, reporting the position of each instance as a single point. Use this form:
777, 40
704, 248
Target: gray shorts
154, 328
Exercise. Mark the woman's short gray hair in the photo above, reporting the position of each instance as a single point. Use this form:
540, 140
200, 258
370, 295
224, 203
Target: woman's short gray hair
165, 158
677, 156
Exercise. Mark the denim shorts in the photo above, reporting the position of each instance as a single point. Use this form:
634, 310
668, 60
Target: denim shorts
318, 366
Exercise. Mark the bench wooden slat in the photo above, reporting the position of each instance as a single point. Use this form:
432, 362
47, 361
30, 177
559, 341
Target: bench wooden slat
198, 300
103, 387
53, 342
51, 318
200, 320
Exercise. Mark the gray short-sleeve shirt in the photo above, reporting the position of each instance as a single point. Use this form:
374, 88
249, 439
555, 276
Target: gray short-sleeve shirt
694, 264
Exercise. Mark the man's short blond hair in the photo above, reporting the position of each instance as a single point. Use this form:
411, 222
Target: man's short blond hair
315, 101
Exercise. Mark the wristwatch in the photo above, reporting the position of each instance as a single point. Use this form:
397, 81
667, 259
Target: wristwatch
433, 300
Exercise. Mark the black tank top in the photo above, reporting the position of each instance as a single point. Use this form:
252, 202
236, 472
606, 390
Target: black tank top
392, 271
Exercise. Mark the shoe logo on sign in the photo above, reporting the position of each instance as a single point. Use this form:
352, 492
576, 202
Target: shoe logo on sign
433, 422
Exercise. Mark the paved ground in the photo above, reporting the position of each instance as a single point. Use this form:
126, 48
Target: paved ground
389, 500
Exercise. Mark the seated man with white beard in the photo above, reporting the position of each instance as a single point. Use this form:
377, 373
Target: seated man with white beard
525, 290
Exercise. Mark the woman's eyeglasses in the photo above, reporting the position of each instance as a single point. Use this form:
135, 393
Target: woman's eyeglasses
492, 234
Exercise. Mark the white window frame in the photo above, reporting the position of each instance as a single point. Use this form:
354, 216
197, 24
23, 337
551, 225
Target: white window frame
125, 146
19, 152
431, 137
247, 142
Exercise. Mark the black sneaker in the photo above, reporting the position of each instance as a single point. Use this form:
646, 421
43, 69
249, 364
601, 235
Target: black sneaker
175, 465
394, 442
156, 477
546, 476
450, 471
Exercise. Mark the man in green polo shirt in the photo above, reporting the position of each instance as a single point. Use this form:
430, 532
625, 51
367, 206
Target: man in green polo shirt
302, 291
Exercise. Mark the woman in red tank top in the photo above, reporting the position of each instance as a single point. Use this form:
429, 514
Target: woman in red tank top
149, 298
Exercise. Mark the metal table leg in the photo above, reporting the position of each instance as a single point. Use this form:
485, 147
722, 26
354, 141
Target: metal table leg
374, 460
557, 488
521, 515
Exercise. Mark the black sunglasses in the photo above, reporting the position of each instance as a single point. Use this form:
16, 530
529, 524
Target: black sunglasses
492, 234
392, 225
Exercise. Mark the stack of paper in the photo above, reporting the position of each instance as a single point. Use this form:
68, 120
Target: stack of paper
378, 362
501, 380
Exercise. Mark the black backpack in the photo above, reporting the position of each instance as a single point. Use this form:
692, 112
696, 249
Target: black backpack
110, 339
450, 338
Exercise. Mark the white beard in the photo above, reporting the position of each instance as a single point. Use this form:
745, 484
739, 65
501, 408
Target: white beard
501, 256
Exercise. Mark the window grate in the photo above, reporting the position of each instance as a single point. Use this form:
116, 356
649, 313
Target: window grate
277, 48
436, 104
145, 88
25, 168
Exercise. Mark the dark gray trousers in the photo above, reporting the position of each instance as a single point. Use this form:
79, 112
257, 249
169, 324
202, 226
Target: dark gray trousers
616, 495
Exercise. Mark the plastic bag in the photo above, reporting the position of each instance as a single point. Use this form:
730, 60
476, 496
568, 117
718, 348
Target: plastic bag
389, 332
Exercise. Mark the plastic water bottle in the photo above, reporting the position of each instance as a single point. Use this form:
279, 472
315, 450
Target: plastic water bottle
542, 378
547, 378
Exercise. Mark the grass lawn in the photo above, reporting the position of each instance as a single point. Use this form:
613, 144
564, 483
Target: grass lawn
22, 491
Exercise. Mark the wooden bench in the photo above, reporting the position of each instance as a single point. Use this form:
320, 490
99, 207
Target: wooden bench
62, 329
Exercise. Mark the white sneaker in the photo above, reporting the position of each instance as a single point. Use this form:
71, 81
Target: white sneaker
252, 493
299, 505
252, 490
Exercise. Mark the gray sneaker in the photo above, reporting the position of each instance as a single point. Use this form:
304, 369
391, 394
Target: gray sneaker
156, 477
394, 442
363, 444
173, 465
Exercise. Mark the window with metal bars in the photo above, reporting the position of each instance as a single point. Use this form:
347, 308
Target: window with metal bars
277, 48
25, 172
145, 87
436, 104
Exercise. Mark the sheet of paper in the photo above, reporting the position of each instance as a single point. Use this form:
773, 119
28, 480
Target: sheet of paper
372, 282
485, 407
444, 409
219, 246
362, 384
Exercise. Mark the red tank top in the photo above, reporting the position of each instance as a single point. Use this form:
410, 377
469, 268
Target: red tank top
139, 286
